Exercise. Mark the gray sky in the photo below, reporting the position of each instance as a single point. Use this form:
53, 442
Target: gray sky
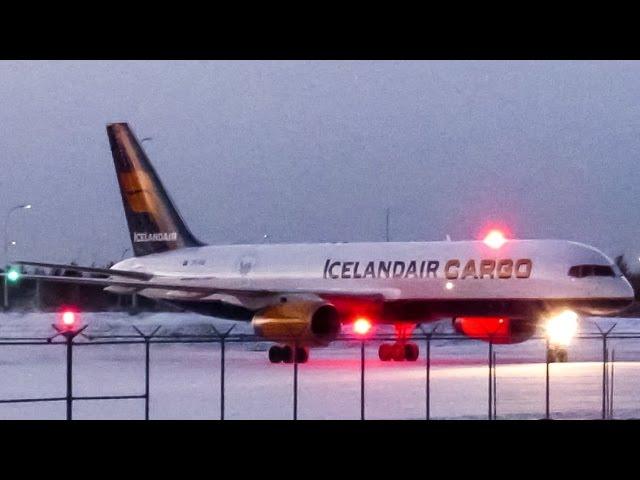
315, 151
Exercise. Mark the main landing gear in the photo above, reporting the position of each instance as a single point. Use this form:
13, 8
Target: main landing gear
286, 354
401, 349
398, 351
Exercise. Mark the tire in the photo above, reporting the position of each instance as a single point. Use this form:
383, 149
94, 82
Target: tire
397, 352
275, 354
302, 355
411, 352
384, 352
287, 354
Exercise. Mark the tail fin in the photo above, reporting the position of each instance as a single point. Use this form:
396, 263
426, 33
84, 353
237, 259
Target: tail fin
154, 223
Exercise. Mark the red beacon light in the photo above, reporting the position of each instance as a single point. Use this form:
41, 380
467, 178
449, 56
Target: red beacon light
495, 239
362, 326
69, 320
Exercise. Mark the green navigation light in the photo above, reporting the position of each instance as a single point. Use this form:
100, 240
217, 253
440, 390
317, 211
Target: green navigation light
13, 275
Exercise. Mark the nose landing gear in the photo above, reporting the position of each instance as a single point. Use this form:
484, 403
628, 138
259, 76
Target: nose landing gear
285, 354
557, 354
401, 349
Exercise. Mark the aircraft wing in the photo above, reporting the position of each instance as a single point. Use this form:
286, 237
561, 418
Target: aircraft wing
213, 286
77, 268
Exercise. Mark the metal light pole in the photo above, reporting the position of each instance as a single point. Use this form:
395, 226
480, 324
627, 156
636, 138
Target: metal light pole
387, 226
26, 206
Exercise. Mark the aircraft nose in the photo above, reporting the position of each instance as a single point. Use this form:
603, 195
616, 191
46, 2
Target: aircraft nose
626, 290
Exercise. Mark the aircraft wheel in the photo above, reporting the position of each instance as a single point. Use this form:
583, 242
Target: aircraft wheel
397, 352
411, 352
384, 352
287, 354
302, 355
275, 354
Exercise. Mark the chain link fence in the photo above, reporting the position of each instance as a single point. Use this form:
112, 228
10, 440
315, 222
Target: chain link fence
453, 378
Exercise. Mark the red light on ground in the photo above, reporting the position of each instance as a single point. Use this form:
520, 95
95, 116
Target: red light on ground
362, 326
69, 319
495, 239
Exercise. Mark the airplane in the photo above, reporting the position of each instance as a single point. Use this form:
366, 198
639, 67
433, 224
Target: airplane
300, 296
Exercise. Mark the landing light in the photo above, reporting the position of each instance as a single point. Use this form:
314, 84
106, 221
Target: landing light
495, 239
562, 327
361, 326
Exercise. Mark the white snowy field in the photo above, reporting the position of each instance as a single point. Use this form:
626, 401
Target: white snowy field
185, 378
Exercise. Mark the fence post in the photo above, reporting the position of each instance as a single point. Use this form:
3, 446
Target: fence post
547, 414
68, 335
69, 397
613, 361
362, 380
147, 367
428, 381
604, 334
147, 380
223, 338
606, 389
490, 377
604, 375
495, 387
295, 380
427, 386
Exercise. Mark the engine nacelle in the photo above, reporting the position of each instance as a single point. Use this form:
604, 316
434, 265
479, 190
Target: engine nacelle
496, 329
307, 322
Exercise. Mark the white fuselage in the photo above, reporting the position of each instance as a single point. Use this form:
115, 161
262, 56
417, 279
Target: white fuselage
426, 271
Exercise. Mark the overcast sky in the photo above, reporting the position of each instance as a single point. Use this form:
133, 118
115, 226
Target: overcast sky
316, 151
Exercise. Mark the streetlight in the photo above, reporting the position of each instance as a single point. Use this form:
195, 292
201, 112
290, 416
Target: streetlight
26, 206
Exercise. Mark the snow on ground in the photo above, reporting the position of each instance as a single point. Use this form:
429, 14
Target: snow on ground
185, 378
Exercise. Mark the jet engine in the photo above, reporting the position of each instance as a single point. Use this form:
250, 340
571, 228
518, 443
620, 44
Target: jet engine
501, 330
313, 323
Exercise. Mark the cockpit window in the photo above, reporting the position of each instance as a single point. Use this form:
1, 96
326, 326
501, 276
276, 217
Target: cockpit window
581, 271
